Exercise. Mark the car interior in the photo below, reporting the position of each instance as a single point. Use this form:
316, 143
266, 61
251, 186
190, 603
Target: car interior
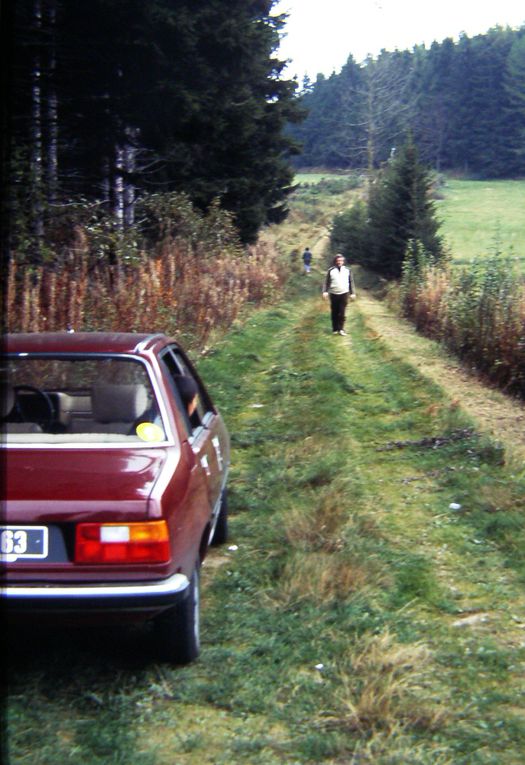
61, 408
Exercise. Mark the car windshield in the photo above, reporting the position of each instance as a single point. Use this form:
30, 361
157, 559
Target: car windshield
78, 400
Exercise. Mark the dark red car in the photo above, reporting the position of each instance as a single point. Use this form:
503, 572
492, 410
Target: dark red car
115, 482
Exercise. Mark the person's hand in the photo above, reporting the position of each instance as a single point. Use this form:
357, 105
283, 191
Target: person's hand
353, 296
325, 295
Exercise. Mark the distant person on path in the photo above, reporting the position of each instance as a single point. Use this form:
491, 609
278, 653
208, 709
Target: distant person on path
307, 260
338, 286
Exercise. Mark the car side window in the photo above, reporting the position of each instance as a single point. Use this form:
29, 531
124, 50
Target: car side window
204, 402
177, 367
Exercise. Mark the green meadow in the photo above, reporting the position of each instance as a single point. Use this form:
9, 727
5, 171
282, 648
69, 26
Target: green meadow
483, 217
303, 178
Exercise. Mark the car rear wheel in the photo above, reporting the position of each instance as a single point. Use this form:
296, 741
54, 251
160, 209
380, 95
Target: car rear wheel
177, 630
220, 535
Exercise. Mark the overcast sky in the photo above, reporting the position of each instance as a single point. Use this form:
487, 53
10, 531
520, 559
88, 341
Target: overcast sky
321, 34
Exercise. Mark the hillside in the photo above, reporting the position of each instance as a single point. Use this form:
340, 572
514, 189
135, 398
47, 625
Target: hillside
461, 101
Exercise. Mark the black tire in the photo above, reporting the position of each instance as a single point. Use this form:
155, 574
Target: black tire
220, 535
177, 630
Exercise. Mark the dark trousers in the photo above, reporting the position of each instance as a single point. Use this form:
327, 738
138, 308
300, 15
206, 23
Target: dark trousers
338, 305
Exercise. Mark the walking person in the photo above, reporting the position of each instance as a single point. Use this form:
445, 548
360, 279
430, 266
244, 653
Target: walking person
338, 286
307, 260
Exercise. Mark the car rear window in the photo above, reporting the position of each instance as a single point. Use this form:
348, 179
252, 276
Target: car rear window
79, 400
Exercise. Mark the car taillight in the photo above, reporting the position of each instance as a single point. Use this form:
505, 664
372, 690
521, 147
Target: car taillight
122, 542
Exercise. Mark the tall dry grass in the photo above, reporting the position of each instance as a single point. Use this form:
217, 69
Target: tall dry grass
385, 689
478, 312
183, 287
326, 562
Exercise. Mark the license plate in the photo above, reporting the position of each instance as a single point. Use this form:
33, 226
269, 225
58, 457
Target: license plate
23, 543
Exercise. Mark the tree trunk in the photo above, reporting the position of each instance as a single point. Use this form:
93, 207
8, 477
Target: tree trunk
51, 169
130, 166
36, 133
118, 188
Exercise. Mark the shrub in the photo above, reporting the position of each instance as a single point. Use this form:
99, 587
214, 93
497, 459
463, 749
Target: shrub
349, 235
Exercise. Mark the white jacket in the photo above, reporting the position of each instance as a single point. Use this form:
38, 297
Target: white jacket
338, 281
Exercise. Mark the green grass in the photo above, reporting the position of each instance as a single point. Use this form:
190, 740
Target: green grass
481, 217
332, 633
313, 178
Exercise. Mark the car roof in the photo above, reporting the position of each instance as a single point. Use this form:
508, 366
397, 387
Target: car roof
83, 342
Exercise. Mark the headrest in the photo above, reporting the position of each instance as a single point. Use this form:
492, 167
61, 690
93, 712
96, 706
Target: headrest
118, 403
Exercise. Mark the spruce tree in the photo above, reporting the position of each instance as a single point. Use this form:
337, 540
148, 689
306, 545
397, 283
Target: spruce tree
401, 214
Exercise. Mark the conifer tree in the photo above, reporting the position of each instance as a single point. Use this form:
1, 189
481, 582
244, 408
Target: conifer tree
401, 214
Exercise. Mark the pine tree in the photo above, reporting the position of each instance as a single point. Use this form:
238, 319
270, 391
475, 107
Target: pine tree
401, 214
492, 133
349, 234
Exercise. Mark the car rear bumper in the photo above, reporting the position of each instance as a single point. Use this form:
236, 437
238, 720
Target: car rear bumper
139, 598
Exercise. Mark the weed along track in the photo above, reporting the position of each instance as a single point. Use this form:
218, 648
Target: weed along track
369, 607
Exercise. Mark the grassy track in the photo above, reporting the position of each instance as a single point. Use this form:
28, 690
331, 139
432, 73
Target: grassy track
373, 611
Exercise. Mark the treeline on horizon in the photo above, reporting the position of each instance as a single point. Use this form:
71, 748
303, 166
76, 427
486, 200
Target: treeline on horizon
462, 102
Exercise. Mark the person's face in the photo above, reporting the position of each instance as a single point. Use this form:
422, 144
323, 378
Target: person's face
339, 261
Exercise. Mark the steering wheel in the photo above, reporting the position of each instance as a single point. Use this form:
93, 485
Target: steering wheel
48, 412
